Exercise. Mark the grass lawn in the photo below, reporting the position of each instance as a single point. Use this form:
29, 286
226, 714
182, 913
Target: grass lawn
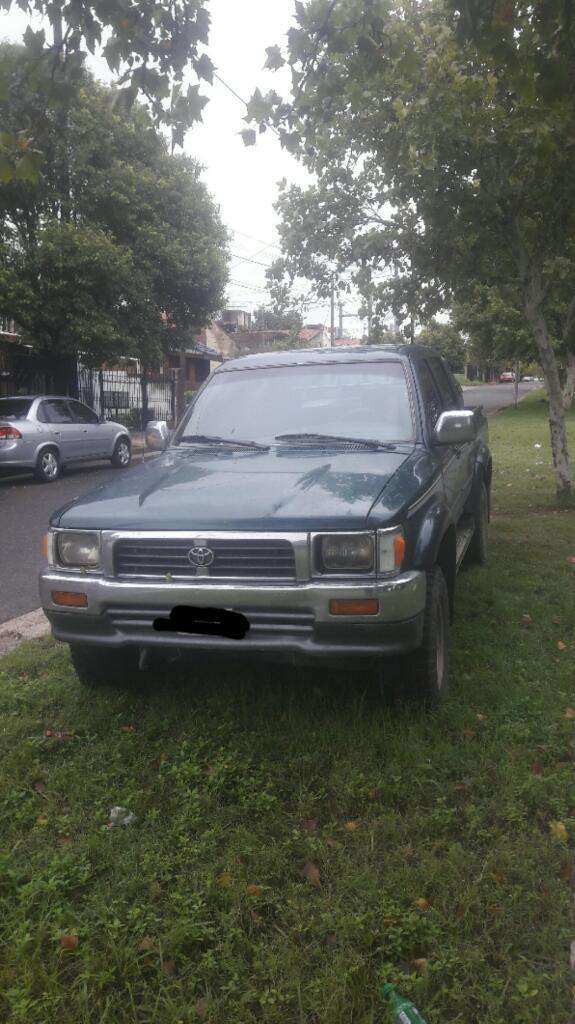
296, 841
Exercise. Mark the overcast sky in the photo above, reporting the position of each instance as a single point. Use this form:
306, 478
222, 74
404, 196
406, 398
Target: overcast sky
242, 180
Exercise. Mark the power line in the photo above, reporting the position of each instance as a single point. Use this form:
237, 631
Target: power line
268, 245
248, 259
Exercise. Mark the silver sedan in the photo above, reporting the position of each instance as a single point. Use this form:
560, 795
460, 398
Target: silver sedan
46, 432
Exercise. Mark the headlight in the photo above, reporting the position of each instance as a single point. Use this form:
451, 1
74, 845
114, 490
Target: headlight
391, 549
78, 550
349, 552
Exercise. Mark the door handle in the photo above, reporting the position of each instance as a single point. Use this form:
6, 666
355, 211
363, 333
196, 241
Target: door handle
57, 433
85, 431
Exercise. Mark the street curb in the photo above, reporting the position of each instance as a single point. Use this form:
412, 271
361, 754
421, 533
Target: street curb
30, 626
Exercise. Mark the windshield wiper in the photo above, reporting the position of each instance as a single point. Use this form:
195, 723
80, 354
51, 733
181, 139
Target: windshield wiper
212, 439
365, 442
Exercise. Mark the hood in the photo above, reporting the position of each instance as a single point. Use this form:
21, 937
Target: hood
282, 489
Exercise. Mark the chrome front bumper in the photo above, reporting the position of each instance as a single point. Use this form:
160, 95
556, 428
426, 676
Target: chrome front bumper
284, 617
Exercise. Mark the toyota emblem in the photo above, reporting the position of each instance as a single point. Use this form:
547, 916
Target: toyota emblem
200, 556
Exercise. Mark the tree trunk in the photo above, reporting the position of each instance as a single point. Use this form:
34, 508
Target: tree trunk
569, 386
533, 295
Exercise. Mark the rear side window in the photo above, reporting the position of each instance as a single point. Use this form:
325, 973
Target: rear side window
430, 394
81, 413
55, 411
14, 408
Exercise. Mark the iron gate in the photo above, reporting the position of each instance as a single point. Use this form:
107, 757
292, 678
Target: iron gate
129, 396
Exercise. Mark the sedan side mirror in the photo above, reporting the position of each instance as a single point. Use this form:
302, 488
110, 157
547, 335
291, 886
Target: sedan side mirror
157, 435
456, 427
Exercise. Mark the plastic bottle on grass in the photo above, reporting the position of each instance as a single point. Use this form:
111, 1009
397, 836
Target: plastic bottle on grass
403, 1011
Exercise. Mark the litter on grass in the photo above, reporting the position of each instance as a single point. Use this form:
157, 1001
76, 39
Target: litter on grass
121, 816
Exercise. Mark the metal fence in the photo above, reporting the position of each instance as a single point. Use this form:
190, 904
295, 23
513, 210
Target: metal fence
129, 396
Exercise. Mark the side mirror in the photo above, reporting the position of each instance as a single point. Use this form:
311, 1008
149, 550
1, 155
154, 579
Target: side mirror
456, 427
157, 435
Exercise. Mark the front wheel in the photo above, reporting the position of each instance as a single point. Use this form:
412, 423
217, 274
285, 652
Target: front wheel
122, 455
48, 466
100, 666
423, 675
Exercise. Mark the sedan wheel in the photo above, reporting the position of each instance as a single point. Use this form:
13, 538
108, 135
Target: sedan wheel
122, 454
48, 466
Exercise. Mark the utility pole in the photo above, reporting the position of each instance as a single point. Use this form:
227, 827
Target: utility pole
369, 316
340, 327
332, 316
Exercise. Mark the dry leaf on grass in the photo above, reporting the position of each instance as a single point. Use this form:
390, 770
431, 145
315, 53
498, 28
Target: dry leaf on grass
561, 646
201, 1008
128, 728
468, 733
570, 713
42, 821
253, 890
351, 826
420, 965
146, 944
558, 831
526, 620
224, 880
168, 966
421, 903
536, 768
310, 871
309, 824
69, 942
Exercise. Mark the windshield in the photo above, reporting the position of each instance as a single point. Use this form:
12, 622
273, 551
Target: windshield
14, 408
355, 400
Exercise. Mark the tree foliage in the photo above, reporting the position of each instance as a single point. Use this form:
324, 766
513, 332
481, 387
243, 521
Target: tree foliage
448, 341
442, 136
151, 45
112, 237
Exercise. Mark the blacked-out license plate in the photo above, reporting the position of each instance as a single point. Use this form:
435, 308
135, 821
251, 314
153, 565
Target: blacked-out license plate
205, 621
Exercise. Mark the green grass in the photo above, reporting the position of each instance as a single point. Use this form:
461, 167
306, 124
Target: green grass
242, 778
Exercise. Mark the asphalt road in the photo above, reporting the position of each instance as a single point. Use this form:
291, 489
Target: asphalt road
495, 396
25, 507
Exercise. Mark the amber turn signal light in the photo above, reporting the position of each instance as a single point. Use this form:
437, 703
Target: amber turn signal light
70, 598
354, 606
398, 550
44, 546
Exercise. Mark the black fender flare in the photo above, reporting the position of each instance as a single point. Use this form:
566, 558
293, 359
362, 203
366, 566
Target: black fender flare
482, 473
437, 544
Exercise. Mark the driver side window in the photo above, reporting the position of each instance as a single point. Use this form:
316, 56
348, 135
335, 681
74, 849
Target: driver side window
431, 397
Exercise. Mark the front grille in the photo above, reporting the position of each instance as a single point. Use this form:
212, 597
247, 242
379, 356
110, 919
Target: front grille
244, 559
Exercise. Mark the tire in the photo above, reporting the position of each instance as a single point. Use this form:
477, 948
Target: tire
48, 466
98, 667
122, 455
423, 676
477, 550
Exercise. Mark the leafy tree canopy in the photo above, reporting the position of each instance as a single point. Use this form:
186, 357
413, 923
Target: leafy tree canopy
115, 233
448, 341
151, 45
442, 136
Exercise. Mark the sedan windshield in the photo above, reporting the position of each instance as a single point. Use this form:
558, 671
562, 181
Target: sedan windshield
352, 400
14, 408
